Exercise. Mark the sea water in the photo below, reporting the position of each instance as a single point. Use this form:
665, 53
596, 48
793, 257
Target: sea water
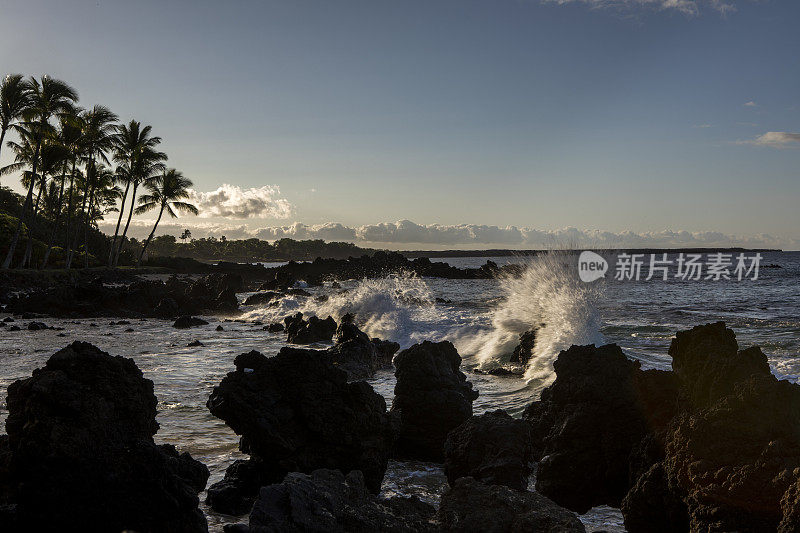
483, 318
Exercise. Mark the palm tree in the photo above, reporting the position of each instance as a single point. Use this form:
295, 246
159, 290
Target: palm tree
132, 142
99, 130
146, 166
69, 138
14, 99
47, 98
166, 193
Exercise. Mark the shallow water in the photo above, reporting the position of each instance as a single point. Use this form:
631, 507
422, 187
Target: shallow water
481, 317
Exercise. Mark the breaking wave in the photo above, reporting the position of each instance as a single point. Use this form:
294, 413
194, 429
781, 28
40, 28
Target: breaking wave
550, 297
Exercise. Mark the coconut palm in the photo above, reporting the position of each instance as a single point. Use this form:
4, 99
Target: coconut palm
69, 137
133, 143
99, 133
167, 192
14, 100
146, 166
46, 98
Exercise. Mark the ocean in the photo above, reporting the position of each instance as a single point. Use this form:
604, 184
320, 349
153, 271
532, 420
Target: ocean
483, 318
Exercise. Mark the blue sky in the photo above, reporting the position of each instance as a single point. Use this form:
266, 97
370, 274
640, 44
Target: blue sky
630, 116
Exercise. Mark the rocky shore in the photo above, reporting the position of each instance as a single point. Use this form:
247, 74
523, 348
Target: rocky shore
180, 287
712, 445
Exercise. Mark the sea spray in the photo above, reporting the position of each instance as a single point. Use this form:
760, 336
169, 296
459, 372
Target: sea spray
400, 308
550, 298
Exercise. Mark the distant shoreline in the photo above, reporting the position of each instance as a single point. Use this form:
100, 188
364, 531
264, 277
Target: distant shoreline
412, 254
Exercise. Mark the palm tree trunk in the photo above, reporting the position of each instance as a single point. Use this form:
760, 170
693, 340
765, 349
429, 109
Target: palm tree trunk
26, 259
84, 214
28, 198
57, 219
119, 221
127, 223
86, 229
150, 237
2, 136
67, 240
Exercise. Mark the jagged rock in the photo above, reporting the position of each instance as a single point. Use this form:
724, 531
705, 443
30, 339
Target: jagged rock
652, 506
236, 492
493, 448
297, 413
261, 298
733, 453
301, 331
353, 351
80, 450
275, 327
36, 326
385, 350
215, 293
329, 501
185, 322
432, 396
790, 507
194, 343
590, 419
219, 328
471, 506
522, 353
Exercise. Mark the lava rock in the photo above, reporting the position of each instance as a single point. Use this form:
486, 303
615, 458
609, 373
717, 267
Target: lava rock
432, 396
261, 298
329, 501
296, 413
522, 353
301, 331
275, 327
219, 328
80, 450
493, 448
185, 322
590, 419
36, 326
194, 343
471, 506
384, 351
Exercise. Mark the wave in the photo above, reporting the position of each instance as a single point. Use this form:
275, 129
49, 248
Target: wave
548, 296
402, 308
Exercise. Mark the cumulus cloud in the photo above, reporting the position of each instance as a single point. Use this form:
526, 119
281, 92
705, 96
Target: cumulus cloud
776, 139
751, 103
686, 7
231, 201
408, 234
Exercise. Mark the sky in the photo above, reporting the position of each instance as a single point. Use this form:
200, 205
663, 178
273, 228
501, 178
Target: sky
449, 123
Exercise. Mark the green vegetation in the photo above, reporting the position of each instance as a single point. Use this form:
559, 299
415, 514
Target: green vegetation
64, 156
79, 166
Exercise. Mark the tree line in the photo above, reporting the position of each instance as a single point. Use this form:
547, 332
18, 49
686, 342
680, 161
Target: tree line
78, 166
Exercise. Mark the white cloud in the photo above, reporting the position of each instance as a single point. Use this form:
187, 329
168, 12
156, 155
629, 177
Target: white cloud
751, 103
231, 201
686, 7
407, 234
776, 139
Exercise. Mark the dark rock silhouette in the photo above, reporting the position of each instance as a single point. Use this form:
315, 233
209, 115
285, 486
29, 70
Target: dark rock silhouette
212, 294
493, 448
329, 501
80, 450
522, 353
261, 298
432, 396
296, 412
185, 322
472, 506
302, 331
589, 420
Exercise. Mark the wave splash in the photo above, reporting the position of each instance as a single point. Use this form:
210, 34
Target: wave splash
547, 296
